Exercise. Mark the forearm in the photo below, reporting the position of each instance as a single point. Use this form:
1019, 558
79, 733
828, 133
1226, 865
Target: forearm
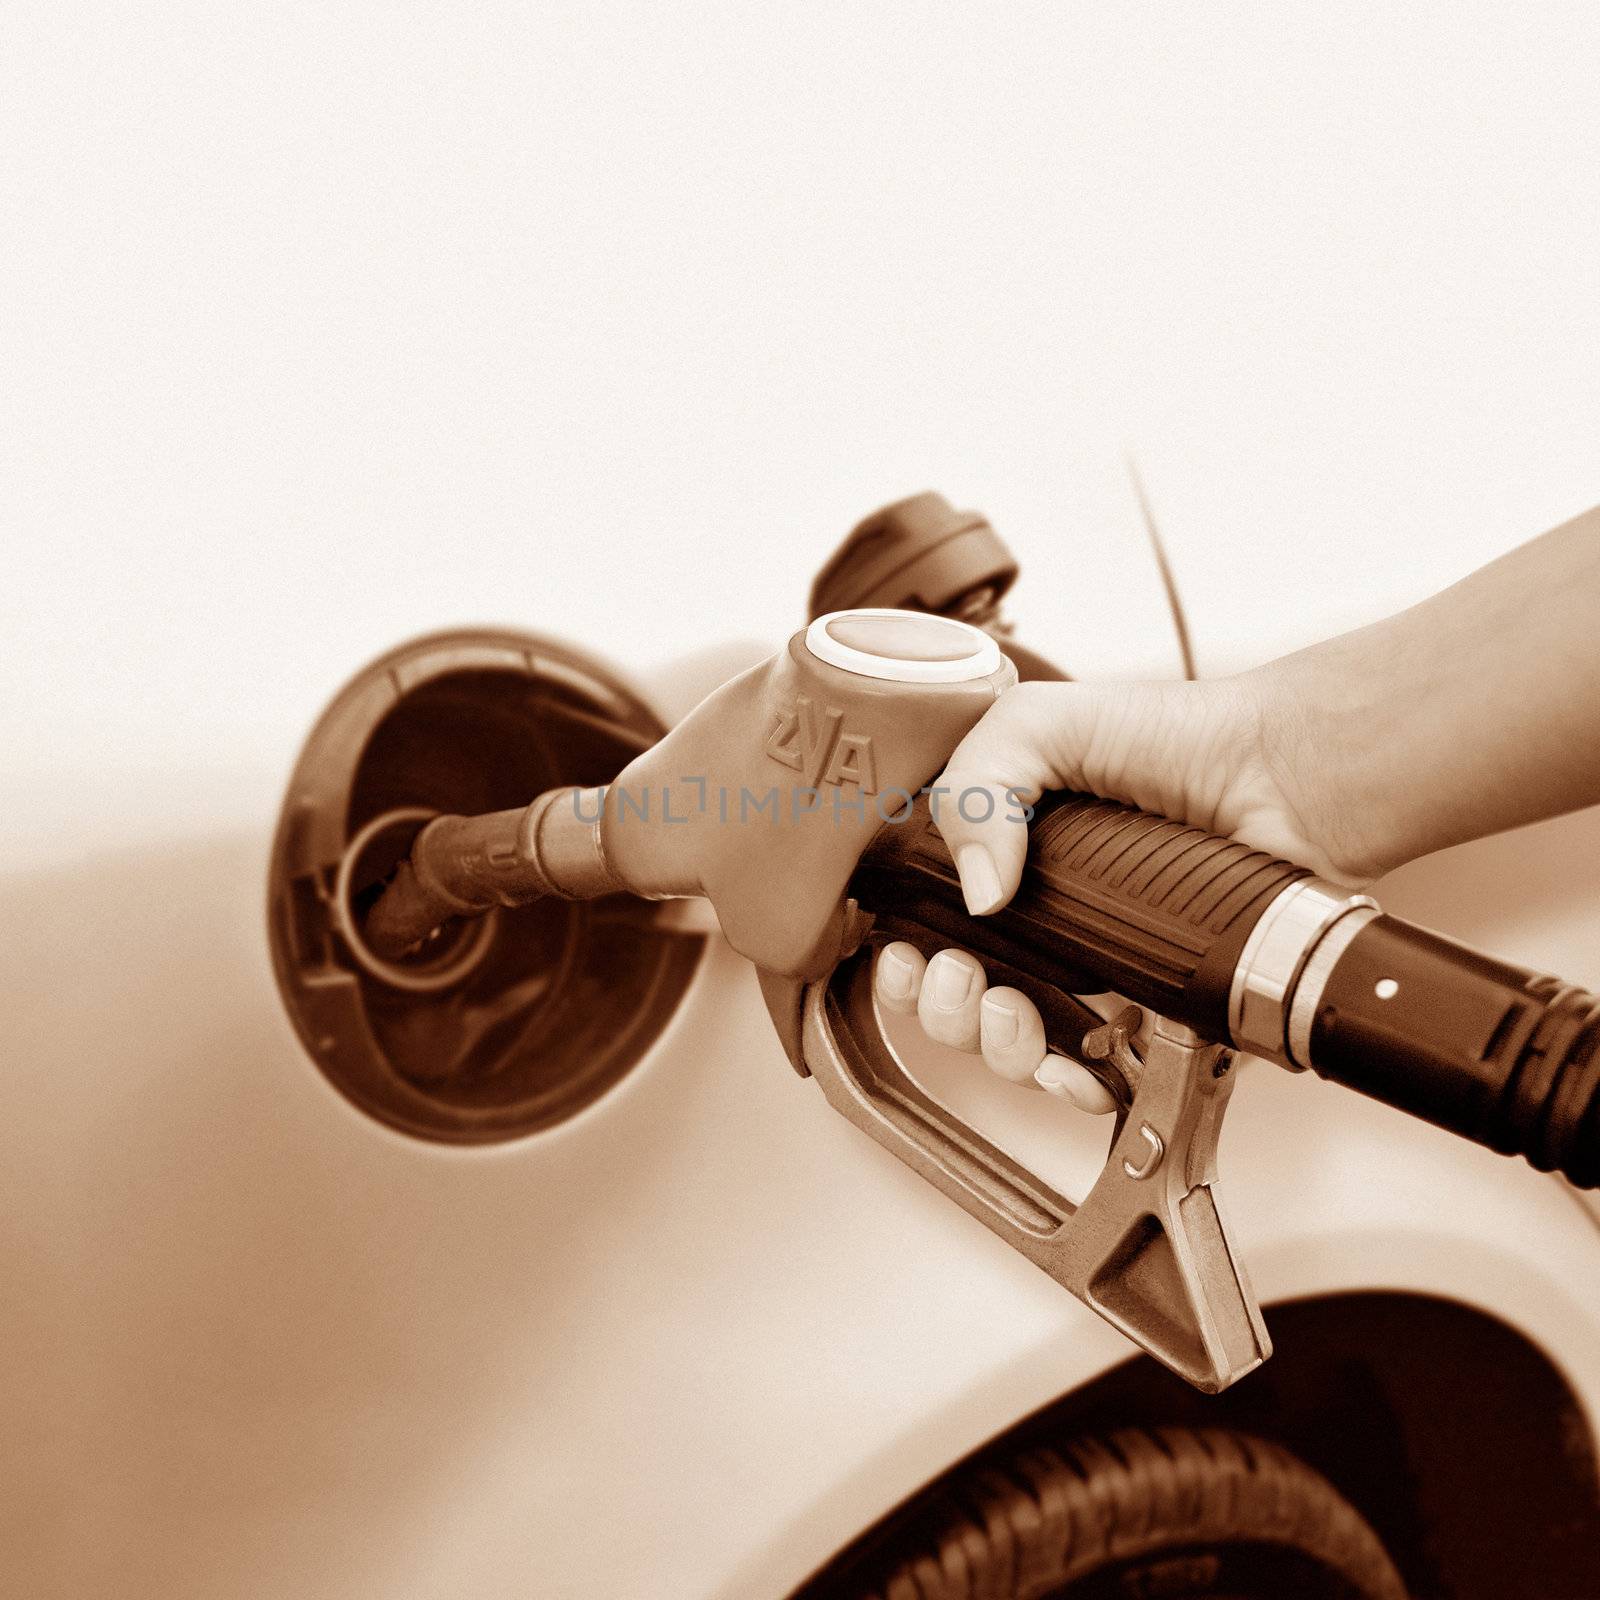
1477, 710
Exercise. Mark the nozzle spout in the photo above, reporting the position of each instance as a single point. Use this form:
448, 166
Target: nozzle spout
465, 866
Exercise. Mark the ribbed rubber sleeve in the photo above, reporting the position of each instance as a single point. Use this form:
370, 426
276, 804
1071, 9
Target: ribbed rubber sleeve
1505, 1057
1158, 910
1112, 898
1162, 909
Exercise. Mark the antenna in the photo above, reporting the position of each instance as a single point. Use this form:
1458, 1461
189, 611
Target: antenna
1180, 625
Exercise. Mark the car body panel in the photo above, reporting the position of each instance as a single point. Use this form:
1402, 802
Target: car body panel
686, 1344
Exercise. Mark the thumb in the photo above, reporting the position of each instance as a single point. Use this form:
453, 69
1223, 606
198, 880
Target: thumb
1031, 739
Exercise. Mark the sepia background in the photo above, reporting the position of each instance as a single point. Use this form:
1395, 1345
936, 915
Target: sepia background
325, 325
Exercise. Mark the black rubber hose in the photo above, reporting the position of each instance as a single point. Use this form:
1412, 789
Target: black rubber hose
1501, 1055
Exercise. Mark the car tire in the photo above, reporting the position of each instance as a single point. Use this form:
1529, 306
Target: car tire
1161, 1514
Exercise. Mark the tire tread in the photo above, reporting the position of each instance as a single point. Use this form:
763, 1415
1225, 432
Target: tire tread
1023, 1528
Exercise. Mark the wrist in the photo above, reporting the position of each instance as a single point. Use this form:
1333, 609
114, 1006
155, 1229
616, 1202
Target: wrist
1322, 719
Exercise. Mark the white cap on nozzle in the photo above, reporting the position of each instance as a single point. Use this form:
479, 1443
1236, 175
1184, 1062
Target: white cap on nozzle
903, 646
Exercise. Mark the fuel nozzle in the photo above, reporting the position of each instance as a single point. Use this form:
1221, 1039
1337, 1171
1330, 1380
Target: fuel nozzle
762, 799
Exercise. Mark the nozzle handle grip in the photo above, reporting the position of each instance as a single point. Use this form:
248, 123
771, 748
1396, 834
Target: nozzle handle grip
1113, 898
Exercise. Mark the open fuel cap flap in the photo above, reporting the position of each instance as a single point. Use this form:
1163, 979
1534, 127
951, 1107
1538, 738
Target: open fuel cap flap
499, 1026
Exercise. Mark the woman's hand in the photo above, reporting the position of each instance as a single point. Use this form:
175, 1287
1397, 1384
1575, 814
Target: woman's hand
1477, 710
1204, 753
1218, 754
1211, 754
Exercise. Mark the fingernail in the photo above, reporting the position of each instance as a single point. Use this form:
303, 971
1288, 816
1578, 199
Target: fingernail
980, 882
1069, 1080
1049, 1075
1000, 1022
896, 973
951, 982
